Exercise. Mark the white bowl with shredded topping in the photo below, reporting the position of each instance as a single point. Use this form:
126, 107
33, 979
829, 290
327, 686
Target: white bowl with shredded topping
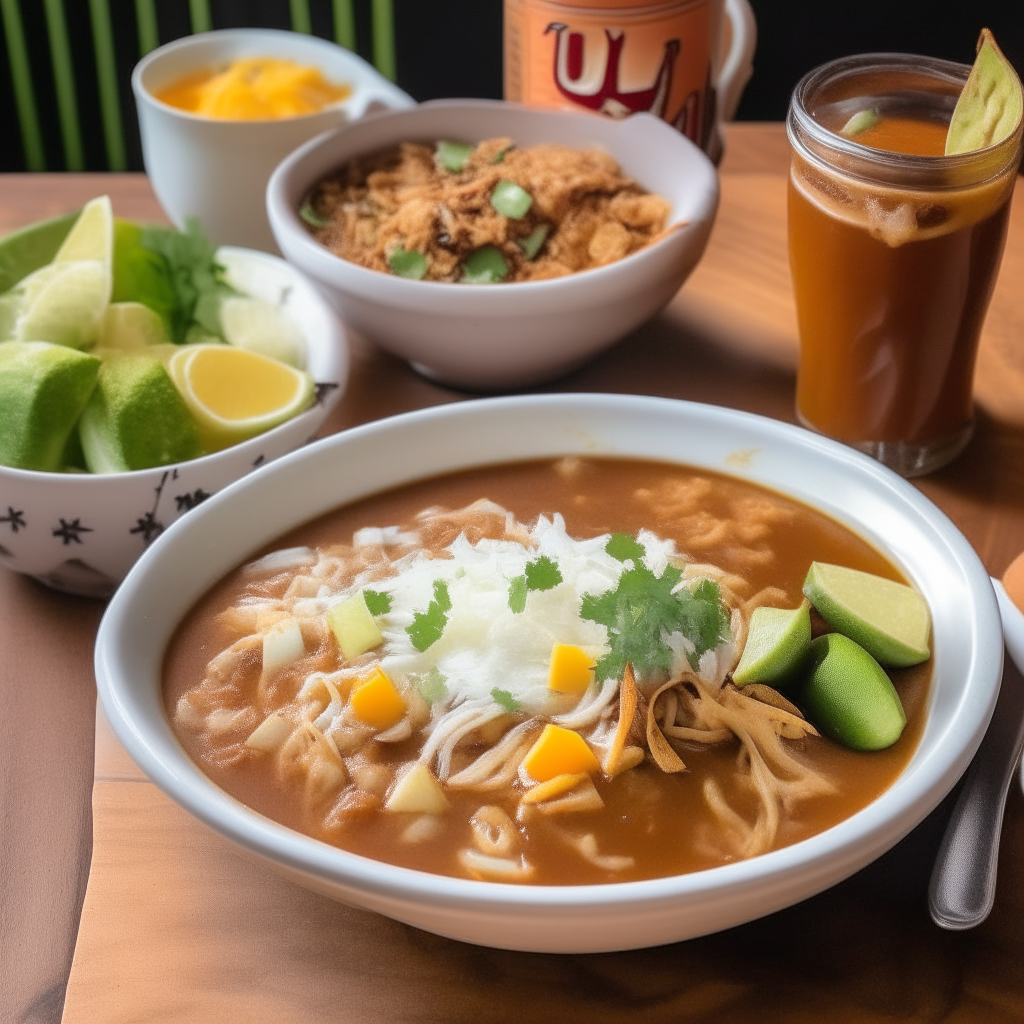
500, 336
858, 492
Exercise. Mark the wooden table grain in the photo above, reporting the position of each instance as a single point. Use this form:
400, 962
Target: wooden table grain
176, 926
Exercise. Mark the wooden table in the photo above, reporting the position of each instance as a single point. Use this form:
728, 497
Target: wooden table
177, 927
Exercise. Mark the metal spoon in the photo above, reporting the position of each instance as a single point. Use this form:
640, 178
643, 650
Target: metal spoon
963, 882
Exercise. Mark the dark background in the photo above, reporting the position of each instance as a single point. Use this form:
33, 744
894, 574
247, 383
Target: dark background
453, 48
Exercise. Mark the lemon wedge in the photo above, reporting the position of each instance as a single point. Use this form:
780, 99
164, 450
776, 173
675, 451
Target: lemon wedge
235, 394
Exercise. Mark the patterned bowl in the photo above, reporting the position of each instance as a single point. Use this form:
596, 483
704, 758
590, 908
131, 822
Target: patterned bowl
81, 533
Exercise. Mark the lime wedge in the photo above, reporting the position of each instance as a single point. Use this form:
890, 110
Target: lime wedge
43, 389
235, 394
849, 697
92, 235
991, 103
777, 644
260, 326
63, 303
889, 620
136, 418
31, 248
131, 325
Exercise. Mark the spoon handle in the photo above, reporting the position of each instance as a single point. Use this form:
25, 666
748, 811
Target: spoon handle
963, 882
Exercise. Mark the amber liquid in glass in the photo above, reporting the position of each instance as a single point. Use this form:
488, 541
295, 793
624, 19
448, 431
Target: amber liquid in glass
892, 288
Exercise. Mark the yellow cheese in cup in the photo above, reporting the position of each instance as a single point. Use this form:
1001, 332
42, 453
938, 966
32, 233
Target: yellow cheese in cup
254, 89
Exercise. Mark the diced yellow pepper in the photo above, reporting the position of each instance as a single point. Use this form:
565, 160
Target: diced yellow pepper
559, 751
354, 627
553, 787
376, 702
572, 669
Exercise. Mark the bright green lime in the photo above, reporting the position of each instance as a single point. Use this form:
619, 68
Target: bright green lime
849, 697
131, 325
777, 644
63, 303
31, 248
889, 620
136, 418
43, 389
860, 122
485, 266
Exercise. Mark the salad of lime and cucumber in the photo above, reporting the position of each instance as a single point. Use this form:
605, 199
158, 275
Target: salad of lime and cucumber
124, 346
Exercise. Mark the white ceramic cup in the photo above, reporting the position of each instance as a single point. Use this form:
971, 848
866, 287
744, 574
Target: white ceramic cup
217, 170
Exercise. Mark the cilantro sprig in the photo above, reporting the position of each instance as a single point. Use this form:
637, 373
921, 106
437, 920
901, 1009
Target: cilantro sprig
377, 602
540, 574
427, 627
433, 686
505, 699
642, 611
197, 278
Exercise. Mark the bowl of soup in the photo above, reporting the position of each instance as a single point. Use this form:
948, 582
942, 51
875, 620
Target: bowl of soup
475, 668
528, 180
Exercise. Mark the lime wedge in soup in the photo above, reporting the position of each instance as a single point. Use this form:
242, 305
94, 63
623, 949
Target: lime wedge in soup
777, 644
889, 620
991, 104
849, 697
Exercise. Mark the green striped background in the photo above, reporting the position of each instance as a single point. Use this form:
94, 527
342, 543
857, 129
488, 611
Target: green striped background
63, 60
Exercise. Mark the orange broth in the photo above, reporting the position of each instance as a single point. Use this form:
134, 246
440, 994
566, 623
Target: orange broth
660, 820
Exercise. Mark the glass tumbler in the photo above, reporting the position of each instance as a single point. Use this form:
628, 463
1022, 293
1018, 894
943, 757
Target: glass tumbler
894, 256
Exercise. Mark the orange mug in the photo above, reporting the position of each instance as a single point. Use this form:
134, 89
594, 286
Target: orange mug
685, 61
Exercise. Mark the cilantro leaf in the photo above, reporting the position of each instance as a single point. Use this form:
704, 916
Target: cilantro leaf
623, 547
505, 699
642, 611
433, 686
377, 602
541, 574
198, 279
427, 627
517, 591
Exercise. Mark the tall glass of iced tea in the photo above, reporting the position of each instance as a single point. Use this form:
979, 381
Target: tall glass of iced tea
894, 250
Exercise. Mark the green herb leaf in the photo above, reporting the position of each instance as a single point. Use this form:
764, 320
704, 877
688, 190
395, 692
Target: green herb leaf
642, 611
531, 244
377, 602
511, 200
197, 277
311, 217
499, 157
517, 591
541, 574
453, 156
408, 263
427, 627
485, 266
623, 547
505, 699
433, 686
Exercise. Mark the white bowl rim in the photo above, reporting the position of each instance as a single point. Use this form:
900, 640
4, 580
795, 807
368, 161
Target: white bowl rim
872, 826
335, 343
228, 35
280, 211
